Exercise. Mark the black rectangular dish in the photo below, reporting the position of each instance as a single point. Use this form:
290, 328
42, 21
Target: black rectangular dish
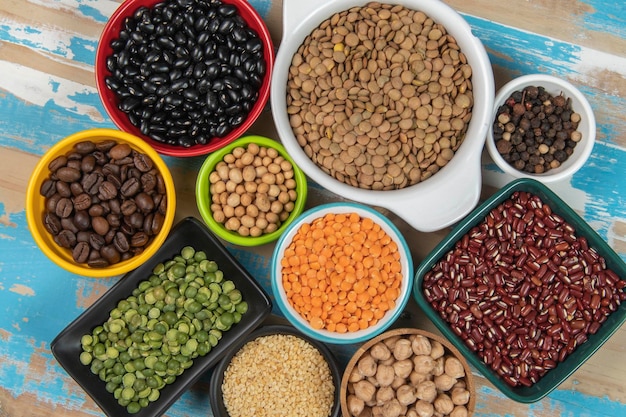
66, 347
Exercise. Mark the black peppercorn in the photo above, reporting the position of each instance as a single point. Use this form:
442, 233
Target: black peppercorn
539, 129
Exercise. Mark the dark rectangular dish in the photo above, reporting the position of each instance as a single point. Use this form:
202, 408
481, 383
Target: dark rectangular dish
66, 347
554, 377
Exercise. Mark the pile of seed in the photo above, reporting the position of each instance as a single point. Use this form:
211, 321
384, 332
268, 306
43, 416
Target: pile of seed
253, 190
104, 202
278, 375
186, 71
177, 314
380, 96
535, 131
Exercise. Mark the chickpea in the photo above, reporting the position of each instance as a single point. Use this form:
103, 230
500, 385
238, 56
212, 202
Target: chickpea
249, 184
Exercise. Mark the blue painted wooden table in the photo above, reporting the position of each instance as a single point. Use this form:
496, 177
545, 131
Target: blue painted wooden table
47, 91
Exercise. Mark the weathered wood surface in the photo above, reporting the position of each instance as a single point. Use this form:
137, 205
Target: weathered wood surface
47, 91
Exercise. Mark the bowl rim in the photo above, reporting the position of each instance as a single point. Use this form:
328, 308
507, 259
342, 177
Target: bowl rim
582, 150
217, 376
41, 172
459, 178
407, 331
324, 335
553, 378
203, 195
103, 50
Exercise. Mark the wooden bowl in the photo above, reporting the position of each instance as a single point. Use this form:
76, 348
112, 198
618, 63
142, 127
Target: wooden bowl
406, 333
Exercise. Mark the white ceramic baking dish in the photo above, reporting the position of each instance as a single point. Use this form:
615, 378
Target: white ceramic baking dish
447, 196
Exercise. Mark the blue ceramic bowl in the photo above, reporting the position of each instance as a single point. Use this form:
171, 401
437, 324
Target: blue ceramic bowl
298, 320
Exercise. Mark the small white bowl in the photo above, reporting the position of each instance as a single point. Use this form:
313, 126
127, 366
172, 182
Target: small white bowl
300, 322
451, 193
580, 105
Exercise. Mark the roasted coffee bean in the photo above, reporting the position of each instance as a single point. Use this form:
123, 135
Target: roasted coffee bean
85, 147
157, 223
115, 180
63, 189
97, 262
51, 203
80, 253
128, 207
110, 254
68, 224
115, 206
82, 220
130, 187
82, 202
58, 162
76, 189
139, 239
88, 164
96, 210
136, 220
64, 207
96, 241
100, 225
113, 220
142, 162
68, 174
120, 241
148, 182
52, 223
83, 236
120, 151
144, 202
90, 181
65, 239
147, 223
107, 190
48, 188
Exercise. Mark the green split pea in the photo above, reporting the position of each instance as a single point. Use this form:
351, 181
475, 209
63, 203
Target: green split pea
179, 313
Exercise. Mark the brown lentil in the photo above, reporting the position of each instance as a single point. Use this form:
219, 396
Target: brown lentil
278, 375
535, 131
390, 75
523, 289
253, 190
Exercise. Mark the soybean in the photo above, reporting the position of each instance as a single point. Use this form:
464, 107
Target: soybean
253, 190
179, 313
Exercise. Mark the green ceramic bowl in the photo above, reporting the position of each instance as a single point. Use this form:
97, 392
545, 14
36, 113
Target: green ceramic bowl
203, 194
554, 377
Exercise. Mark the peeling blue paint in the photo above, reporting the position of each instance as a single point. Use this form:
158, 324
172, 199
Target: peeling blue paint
90, 11
84, 50
262, 7
606, 14
39, 128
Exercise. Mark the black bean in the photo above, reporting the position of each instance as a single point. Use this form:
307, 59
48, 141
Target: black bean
178, 62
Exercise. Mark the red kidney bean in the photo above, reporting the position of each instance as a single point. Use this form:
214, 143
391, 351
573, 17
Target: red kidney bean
537, 290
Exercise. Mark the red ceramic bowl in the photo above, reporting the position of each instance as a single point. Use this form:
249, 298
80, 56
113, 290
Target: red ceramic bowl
110, 101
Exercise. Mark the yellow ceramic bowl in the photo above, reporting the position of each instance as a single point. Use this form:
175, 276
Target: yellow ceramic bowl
35, 204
